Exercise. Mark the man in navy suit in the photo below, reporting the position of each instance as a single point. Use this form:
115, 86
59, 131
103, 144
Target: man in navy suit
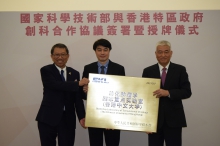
175, 86
102, 48
61, 99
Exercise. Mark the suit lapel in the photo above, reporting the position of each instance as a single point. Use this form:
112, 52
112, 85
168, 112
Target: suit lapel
94, 68
110, 68
69, 74
169, 75
56, 72
156, 71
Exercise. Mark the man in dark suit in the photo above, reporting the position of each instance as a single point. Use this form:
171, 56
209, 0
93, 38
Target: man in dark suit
102, 48
175, 86
61, 98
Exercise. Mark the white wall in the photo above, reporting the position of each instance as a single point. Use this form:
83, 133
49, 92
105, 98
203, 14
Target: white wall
200, 55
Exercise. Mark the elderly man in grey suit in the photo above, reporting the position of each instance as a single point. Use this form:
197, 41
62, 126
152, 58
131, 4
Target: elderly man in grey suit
175, 86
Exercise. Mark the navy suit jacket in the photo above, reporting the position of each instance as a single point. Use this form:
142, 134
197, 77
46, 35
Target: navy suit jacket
177, 83
57, 93
113, 69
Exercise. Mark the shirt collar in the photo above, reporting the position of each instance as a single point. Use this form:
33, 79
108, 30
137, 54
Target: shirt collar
105, 65
64, 69
161, 67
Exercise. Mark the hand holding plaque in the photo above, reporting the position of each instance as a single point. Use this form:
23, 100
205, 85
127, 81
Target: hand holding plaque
120, 102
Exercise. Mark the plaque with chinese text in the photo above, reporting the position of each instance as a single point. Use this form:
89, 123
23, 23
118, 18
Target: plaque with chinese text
120, 102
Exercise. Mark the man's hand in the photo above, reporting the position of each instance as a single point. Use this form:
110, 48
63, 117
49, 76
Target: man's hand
85, 88
149, 132
84, 81
82, 123
161, 93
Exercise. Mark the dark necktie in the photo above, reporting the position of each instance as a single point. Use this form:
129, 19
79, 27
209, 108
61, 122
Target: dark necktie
163, 76
63, 79
62, 76
102, 70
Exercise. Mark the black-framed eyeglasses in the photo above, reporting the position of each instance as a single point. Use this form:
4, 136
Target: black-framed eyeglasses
58, 55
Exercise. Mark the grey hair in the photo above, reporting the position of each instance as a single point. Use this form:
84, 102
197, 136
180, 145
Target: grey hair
163, 43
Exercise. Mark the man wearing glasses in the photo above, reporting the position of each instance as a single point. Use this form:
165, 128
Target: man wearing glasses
61, 98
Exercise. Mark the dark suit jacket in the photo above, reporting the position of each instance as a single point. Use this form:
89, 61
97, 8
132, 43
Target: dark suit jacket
113, 69
57, 93
177, 83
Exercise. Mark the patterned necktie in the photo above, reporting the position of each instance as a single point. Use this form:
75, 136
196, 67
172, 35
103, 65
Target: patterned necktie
62, 76
102, 70
163, 76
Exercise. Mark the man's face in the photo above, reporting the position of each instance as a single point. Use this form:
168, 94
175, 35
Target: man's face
102, 54
163, 55
60, 57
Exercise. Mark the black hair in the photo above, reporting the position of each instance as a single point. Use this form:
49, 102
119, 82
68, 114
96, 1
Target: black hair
59, 45
102, 42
